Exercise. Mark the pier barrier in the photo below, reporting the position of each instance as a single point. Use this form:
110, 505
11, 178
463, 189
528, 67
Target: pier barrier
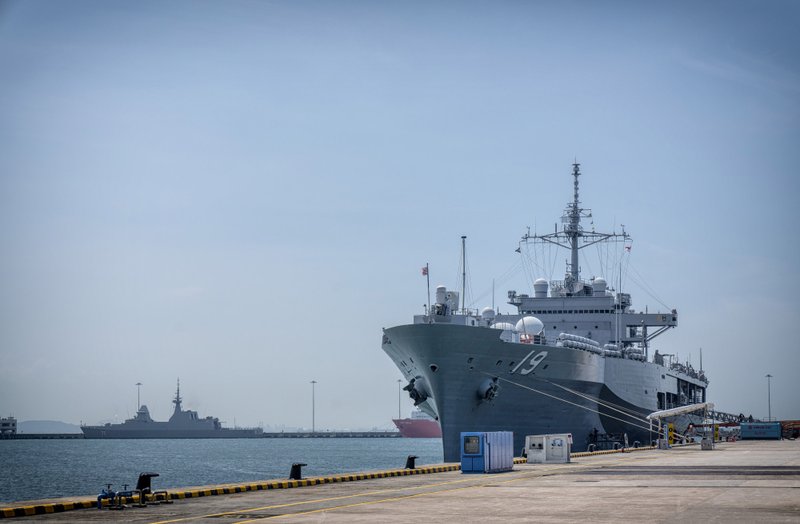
229, 489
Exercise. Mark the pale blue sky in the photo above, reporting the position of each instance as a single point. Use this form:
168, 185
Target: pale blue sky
242, 193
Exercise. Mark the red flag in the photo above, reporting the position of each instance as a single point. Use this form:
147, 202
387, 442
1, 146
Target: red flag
425, 271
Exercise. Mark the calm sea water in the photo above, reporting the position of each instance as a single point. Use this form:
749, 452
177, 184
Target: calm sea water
37, 469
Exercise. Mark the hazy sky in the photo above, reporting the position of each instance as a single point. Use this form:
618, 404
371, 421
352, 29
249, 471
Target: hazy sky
241, 194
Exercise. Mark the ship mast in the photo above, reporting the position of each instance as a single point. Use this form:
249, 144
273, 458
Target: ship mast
177, 400
463, 273
573, 228
573, 237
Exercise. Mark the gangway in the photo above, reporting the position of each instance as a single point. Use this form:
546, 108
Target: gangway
706, 407
730, 417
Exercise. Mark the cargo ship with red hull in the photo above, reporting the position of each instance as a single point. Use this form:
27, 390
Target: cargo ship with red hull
420, 425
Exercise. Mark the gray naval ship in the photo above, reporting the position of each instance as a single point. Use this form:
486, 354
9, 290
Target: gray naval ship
182, 424
575, 358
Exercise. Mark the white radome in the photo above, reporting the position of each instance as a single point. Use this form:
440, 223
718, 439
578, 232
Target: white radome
529, 326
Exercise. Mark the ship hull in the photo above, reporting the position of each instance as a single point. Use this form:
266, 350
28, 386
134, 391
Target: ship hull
418, 428
101, 432
539, 388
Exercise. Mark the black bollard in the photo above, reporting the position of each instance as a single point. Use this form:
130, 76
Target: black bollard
410, 461
296, 473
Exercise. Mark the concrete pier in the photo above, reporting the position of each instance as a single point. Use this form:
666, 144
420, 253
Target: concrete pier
753, 481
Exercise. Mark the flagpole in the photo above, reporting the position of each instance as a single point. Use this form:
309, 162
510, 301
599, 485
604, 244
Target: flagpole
428, 277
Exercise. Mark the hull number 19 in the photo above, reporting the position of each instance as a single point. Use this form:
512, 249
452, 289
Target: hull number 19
533, 362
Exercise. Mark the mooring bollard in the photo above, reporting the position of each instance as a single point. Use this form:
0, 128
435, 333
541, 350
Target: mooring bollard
107, 493
296, 473
410, 461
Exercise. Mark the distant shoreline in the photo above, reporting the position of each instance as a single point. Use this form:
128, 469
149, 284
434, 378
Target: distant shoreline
293, 434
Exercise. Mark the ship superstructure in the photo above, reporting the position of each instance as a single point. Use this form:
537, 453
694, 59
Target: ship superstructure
575, 358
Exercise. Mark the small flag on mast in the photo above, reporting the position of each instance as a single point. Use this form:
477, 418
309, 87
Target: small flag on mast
425, 271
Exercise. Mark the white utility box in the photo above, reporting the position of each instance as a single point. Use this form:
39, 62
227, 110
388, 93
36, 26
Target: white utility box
548, 449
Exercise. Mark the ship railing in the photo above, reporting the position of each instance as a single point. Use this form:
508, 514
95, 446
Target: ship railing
467, 317
687, 370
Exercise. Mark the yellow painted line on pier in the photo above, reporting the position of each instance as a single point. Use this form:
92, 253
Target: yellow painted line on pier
315, 481
225, 489
492, 479
304, 502
365, 503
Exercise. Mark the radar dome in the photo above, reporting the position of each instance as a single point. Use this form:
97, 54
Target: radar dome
530, 326
487, 313
505, 326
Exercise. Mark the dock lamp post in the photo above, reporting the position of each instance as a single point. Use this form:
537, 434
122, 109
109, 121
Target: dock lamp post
769, 398
313, 406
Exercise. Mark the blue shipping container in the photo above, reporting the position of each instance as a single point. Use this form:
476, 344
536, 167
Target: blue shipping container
760, 430
487, 451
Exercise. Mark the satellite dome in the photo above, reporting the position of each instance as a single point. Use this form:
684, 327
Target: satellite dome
487, 313
540, 288
530, 326
505, 326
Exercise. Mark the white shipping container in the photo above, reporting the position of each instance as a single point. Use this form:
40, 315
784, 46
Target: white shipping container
548, 449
